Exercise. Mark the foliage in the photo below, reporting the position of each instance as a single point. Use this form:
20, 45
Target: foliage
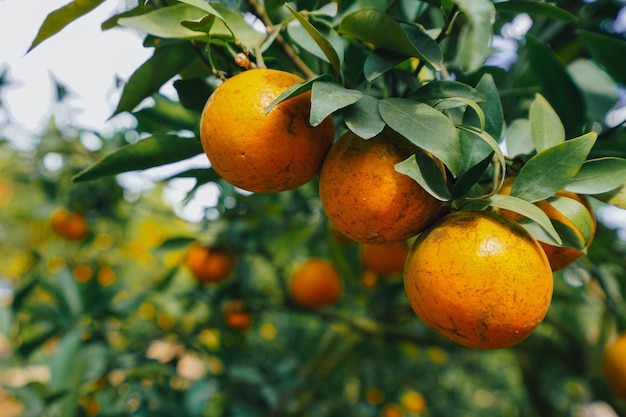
422, 68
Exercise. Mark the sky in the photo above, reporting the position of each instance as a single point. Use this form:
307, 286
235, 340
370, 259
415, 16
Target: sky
88, 62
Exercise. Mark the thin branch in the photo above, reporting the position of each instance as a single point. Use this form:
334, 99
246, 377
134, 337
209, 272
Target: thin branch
259, 11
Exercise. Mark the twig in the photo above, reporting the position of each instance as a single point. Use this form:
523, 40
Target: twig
259, 11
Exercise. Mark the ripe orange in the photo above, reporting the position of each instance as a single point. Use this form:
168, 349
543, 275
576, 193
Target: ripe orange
387, 260
261, 152
366, 198
69, 225
559, 256
315, 284
614, 365
209, 264
236, 315
479, 280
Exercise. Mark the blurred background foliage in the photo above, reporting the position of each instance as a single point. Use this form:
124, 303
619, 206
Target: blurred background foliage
115, 325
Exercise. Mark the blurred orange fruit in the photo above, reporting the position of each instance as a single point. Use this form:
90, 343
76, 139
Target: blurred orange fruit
69, 225
236, 315
363, 195
260, 152
479, 279
315, 284
209, 264
614, 365
387, 260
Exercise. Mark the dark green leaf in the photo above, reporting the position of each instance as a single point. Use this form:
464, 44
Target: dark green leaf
556, 85
62, 17
531, 212
427, 174
599, 176
204, 24
536, 8
379, 62
303, 38
321, 41
165, 116
363, 117
327, 97
425, 127
165, 63
437, 91
475, 36
147, 153
427, 46
545, 125
609, 52
380, 29
492, 107
473, 149
296, 90
235, 23
552, 169
468, 180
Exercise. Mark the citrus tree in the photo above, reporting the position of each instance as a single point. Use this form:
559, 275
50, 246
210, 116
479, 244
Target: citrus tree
480, 134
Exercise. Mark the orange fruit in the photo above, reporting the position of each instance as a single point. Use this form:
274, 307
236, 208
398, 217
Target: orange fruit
261, 152
209, 264
559, 256
69, 225
236, 315
315, 284
614, 365
478, 279
391, 410
386, 259
365, 198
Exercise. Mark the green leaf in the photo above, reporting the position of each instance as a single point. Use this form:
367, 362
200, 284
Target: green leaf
608, 52
165, 22
147, 153
203, 5
379, 62
519, 139
556, 85
598, 88
599, 176
327, 97
427, 174
576, 213
531, 212
165, 116
468, 180
425, 127
321, 41
425, 44
62, 17
475, 36
235, 23
363, 117
296, 90
380, 29
616, 197
437, 91
545, 125
165, 63
302, 37
552, 169
536, 8
473, 149
491, 106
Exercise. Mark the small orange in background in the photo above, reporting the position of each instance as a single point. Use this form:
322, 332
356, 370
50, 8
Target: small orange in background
386, 260
259, 152
614, 365
363, 195
316, 284
69, 225
236, 315
210, 264
478, 279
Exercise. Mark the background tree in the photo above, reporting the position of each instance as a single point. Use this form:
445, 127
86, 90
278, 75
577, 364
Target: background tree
123, 326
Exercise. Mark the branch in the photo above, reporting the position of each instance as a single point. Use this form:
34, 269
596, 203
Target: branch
259, 11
